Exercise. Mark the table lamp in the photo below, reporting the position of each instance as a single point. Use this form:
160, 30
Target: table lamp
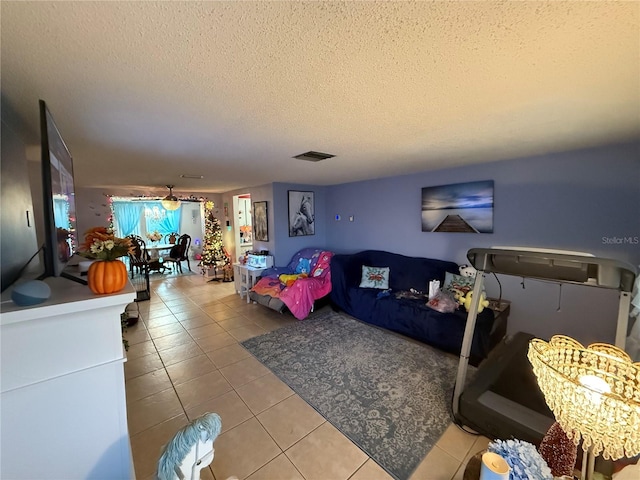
594, 394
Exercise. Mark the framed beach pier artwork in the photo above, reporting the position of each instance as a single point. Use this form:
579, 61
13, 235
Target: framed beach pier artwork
459, 207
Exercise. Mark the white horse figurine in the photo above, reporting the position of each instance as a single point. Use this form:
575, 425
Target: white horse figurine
190, 450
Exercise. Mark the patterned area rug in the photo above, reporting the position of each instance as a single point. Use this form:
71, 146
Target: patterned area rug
390, 396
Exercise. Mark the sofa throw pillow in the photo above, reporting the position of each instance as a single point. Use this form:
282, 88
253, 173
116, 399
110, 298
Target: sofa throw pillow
458, 282
375, 277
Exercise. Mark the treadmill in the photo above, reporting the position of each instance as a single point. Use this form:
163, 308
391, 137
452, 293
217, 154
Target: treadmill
503, 400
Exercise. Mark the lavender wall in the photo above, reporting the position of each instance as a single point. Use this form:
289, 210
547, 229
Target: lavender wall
286, 246
578, 200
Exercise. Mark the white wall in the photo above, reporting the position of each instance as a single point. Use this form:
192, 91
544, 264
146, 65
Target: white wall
258, 194
92, 209
191, 224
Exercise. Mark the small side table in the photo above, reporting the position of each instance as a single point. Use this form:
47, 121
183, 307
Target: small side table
248, 276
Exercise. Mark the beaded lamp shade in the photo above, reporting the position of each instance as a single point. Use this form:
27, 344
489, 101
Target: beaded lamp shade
559, 451
594, 393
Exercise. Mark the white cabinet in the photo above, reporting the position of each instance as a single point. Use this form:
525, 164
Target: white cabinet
63, 406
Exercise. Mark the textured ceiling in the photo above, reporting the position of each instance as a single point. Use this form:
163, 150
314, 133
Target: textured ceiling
145, 91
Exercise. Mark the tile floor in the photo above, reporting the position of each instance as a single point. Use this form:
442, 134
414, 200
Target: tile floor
185, 359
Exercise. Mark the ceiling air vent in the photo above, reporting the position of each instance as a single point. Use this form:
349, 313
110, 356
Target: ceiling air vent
312, 156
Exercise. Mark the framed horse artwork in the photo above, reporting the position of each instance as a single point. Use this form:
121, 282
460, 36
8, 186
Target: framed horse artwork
260, 223
301, 213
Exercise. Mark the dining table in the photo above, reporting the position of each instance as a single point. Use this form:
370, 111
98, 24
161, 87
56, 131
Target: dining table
155, 250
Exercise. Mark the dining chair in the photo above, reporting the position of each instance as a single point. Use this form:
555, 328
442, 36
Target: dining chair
139, 258
171, 237
180, 252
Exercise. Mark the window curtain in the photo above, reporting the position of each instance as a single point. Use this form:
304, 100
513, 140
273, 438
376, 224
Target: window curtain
127, 217
168, 223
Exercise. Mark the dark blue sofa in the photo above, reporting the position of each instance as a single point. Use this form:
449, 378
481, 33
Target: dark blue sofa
409, 317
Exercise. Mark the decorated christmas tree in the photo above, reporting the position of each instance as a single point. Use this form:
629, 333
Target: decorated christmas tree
213, 252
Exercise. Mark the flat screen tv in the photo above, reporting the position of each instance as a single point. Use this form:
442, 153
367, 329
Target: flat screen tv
61, 240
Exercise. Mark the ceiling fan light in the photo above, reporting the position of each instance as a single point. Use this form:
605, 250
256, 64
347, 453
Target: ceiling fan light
170, 202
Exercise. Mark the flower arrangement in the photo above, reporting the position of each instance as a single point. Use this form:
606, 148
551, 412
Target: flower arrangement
523, 458
100, 243
154, 236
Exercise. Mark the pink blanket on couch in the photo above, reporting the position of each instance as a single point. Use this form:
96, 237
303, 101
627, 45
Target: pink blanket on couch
300, 296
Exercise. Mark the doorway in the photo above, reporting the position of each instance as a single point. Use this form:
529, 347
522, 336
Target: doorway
243, 230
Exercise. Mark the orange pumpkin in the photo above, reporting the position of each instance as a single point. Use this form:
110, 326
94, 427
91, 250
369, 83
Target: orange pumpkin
107, 276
